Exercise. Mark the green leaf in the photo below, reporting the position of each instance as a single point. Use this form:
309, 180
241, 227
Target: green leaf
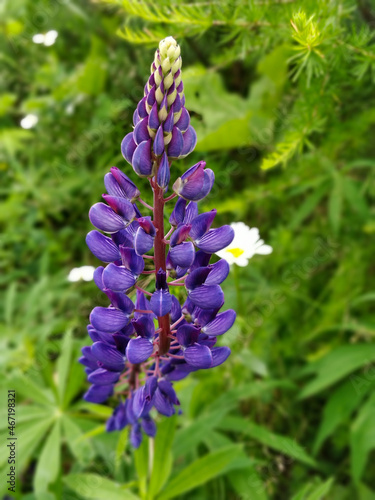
81, 448
308, 206
362, 438
162, 461
247, 484
141, 466
48, 466
336, 365
313, 492
63, 364
355, 198
335, 204
200, 472
95, 487
285, 445
341, 404
25, 386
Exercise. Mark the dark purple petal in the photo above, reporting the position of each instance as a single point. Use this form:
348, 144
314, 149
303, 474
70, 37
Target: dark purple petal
191, 182
139, 350
203, 316
141, 108
136, 117
151, 97
112, 186
147, 225
136, 435
221, 324
149, 426
108, 320
142, 161
175, 309
144, 325
128, 147
121, 206
179, 372
187, 334
177, 143
98, 277
131, 260
143, 242
130, 189
178, 214
167, 389
102, 247
219, 355
177, 105
96, 336
103, 377
91, 362
98, 393
208, 182
161, 280
161, 302
183, 255
141, 131
180, 234
121, 340
201, 224
191, 212
198, 356
163, 175
190, 141
120, 301
153, 119
219, 272
196, 278
201, 260
163, 405
207, 296
103, 217
216, 239
118, 278
159, 142
184, 120
143, 398
109, 357
169, 121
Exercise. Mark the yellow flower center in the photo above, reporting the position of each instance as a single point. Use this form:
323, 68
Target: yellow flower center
236, 252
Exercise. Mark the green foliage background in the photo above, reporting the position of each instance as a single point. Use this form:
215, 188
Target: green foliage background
282, 97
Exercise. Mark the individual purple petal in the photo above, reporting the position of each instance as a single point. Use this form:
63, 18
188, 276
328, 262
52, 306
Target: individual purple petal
143, 398
188, 307
163, 175
136, 117
183, 254
103, 217
98, 277
208, 181
191, 212
179, 372
110, 358
131, 260
178, 214
176, 145
139, 350
216, 239
175, 309
202, 223
149, 426
147, 225
190, 141
168, 124
129, 188
120, 301
136, 435
121, 206
151, 97
107, 319
198, 356
202, 259
191, 182
96, 336
196, 278
118, 278
141, 108
98, 393
102, 376
167, 389
177, 105
184, 121
141, 303
153, 119
128, 147
161, 302
219, 355
142, 161
180, 235
187, 334
203, 316
219, 272
112, 186
163, 405
143, 242
141, 133
121, 340
144, 325
159, 142
207, 296
102, 247
221, 324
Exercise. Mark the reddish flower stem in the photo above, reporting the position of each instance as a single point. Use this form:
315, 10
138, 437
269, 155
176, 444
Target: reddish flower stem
159, 254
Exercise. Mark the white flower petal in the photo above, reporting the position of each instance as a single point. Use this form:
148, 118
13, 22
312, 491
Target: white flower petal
29, 121
38, 38
264, 250
50, 38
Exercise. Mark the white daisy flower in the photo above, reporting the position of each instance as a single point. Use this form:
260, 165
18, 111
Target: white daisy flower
48, 39
85, 273
246, 244
29, 121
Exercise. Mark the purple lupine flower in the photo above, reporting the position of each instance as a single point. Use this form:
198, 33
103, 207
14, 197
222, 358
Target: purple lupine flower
145, 339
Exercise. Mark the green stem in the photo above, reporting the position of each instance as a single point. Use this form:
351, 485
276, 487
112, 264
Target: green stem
236, 276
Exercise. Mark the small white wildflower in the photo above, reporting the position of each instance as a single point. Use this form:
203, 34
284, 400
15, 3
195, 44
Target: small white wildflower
85, 273
29, 121
246, 244
47, 39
